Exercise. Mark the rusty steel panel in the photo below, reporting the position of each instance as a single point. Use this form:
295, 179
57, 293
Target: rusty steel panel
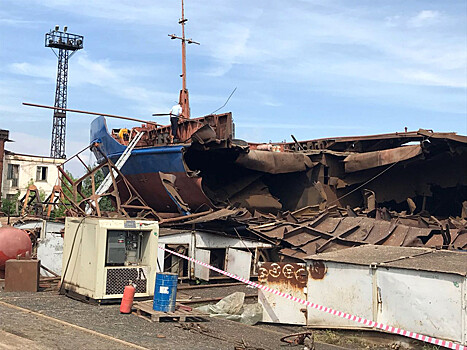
274, 162
398, 236
362, 161
294, 253
220, 123
219, 214
289, 278
274, 230
461, 241
317, 270
291, 274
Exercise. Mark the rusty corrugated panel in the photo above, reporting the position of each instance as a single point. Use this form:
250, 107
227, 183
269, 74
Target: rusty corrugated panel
435, 241
312, 246
398, 236
293, 253
338, 233
275, 231
299, 237
461, 241
414, 235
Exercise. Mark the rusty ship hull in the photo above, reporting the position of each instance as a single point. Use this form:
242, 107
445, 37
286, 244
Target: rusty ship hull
145, 166
397, 171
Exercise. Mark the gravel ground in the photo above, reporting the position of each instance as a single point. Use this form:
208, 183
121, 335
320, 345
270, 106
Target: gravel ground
218, 292
106, 319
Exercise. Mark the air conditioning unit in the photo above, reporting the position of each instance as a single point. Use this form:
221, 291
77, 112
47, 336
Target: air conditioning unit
101, 256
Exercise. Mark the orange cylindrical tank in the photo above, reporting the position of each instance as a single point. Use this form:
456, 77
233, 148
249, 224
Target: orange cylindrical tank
127, 300
13, 242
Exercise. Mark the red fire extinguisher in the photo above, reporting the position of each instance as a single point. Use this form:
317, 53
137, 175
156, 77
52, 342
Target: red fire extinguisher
127, 300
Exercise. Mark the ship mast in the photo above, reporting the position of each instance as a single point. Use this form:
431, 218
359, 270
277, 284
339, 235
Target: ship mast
184, 99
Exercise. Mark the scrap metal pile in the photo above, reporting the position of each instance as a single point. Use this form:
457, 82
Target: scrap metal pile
416, 172
309, 231
400, 189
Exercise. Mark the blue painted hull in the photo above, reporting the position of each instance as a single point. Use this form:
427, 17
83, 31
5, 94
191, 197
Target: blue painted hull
143, 167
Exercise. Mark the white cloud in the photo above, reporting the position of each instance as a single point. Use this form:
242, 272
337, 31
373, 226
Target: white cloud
118, 81
265, 36
392, 21
14, 22
421, 77
95, 72
45, 71
423, 18
372, 54
127, 11
341, 41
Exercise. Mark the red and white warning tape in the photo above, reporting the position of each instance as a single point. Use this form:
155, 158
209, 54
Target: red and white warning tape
387, 328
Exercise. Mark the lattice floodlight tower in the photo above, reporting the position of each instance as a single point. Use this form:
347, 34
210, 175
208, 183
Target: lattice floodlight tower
66, 44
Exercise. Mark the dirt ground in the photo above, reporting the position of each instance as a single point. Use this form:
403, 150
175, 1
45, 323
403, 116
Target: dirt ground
22, 329
88, 326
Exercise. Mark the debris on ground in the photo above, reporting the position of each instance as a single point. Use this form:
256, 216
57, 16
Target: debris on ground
233, 308
302, 338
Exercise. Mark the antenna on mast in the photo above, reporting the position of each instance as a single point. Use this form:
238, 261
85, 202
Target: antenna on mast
184, 100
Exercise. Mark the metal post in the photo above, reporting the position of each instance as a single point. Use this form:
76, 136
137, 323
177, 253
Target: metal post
184, 99
182, 22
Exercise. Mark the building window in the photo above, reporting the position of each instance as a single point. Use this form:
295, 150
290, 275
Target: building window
13, 174
41, 173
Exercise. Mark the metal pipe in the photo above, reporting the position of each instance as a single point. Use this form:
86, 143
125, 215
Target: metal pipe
297, 143
92, 113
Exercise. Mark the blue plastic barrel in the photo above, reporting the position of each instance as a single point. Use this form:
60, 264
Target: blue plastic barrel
165, 292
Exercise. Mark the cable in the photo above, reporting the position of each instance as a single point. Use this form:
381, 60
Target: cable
242, 240
69, 257
367, 182
225, 101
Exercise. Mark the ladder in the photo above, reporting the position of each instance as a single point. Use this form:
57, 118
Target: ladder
105, 185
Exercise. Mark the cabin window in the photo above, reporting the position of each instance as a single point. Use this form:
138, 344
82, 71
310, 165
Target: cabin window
41, 173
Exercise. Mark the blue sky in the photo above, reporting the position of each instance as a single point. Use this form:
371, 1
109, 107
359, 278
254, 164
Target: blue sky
309, 68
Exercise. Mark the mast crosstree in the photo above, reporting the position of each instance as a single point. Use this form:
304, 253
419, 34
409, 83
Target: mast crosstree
184, 98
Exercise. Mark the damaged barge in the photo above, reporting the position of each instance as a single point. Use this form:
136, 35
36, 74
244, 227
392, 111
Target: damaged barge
416, 171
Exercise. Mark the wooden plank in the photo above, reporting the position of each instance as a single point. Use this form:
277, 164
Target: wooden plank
144, 309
